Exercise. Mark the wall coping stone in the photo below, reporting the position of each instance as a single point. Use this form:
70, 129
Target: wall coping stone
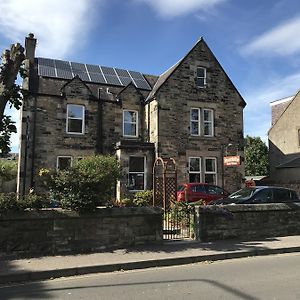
58, 213
250, 207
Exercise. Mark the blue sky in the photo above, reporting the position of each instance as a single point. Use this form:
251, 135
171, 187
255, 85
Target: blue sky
257, 42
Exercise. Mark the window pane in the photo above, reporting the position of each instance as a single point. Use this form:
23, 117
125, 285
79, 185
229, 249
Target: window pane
63, 163
194, 177
75, 111
195, 164
207, 115
136, 182
208, 129
75, 125
195, 128
194, 115
210, 165
129, 129
129, 116
210, 178
136, 164
200, 81
200, 72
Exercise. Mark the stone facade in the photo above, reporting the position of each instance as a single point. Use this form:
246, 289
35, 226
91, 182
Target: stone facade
163, 121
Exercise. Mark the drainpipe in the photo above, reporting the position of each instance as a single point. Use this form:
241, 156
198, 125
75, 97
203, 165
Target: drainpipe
32, 183
99, 143
25, 155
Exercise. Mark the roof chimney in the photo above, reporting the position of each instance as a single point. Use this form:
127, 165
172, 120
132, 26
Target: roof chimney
30, 44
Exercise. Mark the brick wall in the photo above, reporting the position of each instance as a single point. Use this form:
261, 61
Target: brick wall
51, 232
247, 222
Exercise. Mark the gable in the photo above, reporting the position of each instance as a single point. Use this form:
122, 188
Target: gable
284, 134
130, 94
182, 75
76, 88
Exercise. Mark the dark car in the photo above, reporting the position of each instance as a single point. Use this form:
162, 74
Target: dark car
191, 192
260, 194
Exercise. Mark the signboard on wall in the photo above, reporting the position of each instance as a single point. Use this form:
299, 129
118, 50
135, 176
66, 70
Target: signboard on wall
232, 160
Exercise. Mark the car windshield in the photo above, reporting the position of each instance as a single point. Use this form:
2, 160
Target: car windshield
243, 193
180, 188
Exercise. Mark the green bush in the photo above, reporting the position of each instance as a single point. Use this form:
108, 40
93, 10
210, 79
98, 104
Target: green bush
8, 169
143, 198
89, 183
8, 202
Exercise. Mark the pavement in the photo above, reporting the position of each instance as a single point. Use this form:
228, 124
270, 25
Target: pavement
167, 254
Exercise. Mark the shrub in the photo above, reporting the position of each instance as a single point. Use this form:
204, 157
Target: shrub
8, 169
89, 183
8, 202
143, 198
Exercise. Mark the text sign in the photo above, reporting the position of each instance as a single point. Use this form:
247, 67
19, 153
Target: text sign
232, 160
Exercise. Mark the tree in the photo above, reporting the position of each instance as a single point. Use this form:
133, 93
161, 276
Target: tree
256, 157
10, 92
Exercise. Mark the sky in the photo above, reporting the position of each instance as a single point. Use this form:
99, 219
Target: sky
256, 42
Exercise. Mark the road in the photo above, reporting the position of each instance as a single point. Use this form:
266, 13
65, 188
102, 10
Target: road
268, 277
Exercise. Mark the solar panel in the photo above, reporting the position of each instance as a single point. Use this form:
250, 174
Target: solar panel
46, 67
122, 73
142, 84
108, 71
93, 68
90, 73
97, 77
112, 79
63, 69
125, 80
80, 70
136, 75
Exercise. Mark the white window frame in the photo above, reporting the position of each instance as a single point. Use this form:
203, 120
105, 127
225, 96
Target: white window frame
144, 173
211, 123
215, 172
195, 121
204, 78
135, 123
82, 119
200, 167
63, 156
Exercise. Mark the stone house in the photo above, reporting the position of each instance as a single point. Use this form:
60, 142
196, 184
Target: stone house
191, 113
284, 141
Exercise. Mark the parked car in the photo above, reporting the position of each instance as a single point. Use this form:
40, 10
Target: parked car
200, 191
260, 194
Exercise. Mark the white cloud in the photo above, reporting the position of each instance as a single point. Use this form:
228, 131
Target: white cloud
175, 8
258, 111
58, 25
281, 40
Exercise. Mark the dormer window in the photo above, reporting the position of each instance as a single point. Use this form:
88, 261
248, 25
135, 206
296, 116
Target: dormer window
201, 77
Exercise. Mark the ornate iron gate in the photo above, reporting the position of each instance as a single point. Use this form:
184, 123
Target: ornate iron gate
164, 182
178, 221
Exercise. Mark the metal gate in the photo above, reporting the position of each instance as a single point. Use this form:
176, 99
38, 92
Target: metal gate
178, 221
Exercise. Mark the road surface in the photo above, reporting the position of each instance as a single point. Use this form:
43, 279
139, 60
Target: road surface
267, 277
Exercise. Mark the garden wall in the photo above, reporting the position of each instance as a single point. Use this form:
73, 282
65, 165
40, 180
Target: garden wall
49, 232
247, 222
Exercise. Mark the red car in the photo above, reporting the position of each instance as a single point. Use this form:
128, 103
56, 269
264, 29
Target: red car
200, 191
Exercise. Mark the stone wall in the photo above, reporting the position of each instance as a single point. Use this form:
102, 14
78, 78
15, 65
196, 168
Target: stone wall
247, 222
50, 232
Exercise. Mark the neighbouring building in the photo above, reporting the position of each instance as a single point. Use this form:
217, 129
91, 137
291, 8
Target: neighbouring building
191, 112
284, 141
